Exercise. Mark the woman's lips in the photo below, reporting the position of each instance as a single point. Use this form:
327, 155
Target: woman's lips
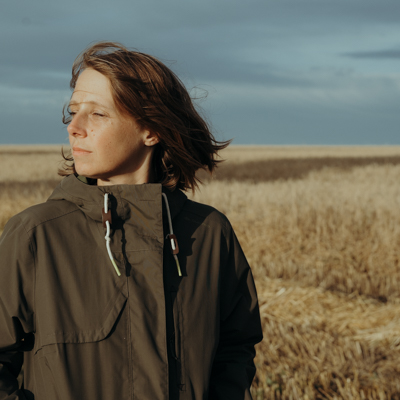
78, 151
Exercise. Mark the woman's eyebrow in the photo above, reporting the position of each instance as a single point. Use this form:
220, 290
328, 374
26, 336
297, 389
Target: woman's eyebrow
75, 103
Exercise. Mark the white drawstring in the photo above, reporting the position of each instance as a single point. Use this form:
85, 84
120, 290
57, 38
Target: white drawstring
172, 237
107, 237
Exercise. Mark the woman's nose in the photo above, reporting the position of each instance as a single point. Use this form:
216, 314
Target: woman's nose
77, 126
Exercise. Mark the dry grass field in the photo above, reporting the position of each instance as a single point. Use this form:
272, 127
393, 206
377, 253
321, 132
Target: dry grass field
321, 229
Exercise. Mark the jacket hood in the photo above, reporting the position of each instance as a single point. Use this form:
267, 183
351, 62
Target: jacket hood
90, 198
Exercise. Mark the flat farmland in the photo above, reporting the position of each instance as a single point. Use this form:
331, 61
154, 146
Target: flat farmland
320, 227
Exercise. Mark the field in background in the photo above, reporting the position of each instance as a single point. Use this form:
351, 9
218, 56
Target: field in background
240, 154
244, 162
321, 228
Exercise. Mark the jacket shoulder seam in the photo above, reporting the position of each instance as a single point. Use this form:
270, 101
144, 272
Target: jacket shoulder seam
74, 198
51, 219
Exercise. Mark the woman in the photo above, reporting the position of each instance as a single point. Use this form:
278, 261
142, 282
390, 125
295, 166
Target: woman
119, 287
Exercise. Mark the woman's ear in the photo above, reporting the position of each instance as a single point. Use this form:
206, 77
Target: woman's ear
150, 138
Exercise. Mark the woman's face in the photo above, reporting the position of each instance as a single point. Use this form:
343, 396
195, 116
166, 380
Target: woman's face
106, 145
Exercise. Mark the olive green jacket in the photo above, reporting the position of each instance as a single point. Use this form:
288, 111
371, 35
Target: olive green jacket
82, 332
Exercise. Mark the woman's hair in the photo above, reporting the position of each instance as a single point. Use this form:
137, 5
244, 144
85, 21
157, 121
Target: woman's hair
154, 96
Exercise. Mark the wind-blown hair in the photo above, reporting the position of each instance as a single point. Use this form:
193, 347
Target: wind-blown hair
144, 88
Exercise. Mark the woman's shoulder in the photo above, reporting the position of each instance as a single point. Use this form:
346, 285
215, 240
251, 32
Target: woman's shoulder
41, 213
208, 214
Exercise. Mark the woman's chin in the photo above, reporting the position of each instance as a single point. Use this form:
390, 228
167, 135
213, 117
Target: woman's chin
87, 172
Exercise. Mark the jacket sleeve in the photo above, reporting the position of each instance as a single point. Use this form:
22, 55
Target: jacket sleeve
240, 327
16, 299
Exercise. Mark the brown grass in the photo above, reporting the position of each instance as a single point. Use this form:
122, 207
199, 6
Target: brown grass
333, 239
23, 167
336, 230
289, 168
240, 154
17, 196
30, 148
322, 236
319, 344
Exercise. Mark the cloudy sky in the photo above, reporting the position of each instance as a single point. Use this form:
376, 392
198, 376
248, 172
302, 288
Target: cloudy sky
276, 71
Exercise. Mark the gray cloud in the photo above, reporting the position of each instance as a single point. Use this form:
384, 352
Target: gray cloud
377, 54
270, 66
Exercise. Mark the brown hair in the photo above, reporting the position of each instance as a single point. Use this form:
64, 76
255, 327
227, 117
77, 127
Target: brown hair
151, 93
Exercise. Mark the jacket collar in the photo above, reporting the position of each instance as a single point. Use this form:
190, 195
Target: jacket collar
90, 198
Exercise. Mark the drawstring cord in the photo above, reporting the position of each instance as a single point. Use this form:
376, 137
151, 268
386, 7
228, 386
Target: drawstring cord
107, 225
171, 237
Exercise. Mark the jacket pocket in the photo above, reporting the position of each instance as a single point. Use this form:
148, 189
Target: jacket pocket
176, 342
79, 363
95, 326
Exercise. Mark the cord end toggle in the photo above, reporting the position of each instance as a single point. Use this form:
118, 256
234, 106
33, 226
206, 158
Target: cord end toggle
173, 242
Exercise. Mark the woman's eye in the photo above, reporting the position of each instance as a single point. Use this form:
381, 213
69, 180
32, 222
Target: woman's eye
98, 114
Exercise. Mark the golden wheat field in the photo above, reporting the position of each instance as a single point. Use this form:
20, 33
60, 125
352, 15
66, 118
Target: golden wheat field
320, 227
